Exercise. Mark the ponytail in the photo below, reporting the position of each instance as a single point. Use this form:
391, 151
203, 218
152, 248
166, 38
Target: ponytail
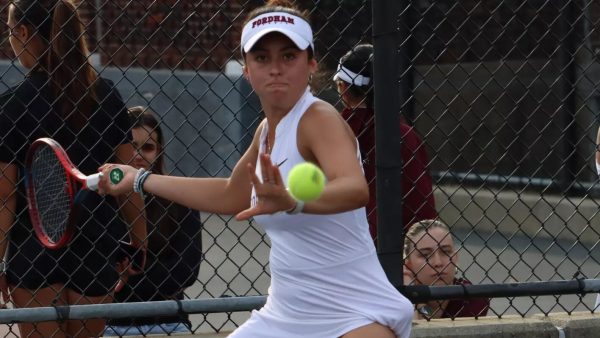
71, 74
65, 59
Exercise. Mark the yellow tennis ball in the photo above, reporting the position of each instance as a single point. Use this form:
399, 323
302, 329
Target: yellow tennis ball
306, 181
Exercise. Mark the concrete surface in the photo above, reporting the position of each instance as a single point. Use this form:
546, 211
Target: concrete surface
507, 327
578, 324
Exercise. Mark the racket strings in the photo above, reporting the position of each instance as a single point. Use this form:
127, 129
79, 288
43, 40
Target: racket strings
51, 190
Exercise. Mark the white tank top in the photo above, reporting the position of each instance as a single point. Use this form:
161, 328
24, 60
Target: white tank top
306, 241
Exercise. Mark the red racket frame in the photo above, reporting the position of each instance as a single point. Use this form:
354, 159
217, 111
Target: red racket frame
75, 179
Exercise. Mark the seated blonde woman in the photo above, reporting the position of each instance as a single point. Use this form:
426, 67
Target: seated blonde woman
431, 259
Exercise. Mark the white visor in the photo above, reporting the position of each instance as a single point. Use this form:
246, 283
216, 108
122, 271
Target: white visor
351, 77
292, 26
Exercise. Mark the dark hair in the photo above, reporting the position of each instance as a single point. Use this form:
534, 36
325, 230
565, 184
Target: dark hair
416, 228
143, 118
360, 61
284, 6
66, 58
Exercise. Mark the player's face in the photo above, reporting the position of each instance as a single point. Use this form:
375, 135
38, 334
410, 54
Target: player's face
146, 148
278, 71
433, 260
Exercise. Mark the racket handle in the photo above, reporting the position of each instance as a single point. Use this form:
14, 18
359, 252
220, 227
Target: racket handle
116, 175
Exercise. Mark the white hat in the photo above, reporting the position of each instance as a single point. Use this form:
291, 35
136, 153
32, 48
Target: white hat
292, 26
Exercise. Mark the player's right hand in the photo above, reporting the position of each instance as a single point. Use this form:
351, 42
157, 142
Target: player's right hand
106, 187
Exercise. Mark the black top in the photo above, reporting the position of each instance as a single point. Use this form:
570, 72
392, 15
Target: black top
27, 112
173, 260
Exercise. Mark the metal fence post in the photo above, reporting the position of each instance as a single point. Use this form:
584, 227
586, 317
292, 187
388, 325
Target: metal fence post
388, 101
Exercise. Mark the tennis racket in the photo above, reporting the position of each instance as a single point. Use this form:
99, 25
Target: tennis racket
54, 189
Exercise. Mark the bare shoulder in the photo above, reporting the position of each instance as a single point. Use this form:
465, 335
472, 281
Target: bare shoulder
322, 127
322, 116
319, 108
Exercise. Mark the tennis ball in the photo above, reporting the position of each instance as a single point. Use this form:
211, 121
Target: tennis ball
306, 181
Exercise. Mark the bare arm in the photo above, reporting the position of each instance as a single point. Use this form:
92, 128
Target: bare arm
598, 147
8, 198
325, 138
214, 195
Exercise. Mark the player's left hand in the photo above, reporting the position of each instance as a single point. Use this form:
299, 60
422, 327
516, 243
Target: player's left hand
271, 193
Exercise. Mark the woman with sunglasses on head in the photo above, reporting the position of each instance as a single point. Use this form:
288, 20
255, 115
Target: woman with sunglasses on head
326, 280
61, 97
354, 83
174, 242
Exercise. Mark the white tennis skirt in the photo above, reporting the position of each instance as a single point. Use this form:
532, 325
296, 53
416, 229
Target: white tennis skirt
328, 302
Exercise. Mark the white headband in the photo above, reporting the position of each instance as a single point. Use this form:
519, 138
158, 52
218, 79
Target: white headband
349, 76
292, 26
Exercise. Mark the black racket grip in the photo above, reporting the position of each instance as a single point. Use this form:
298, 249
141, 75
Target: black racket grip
136, 255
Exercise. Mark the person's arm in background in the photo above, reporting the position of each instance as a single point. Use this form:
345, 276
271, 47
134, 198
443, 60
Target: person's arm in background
419, 201
598, 152
8, 206
597, 157
132, 205
177, 266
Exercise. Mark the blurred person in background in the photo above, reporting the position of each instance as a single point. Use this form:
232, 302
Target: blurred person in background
354, 83
430, 258
61, 97
174, 242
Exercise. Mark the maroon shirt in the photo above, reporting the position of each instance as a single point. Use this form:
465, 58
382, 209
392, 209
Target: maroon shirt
418, 200
475, 307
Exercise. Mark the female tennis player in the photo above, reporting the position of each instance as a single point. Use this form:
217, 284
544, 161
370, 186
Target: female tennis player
326, 280
61, 97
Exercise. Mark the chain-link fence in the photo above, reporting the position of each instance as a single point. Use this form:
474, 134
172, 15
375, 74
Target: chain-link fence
501, 92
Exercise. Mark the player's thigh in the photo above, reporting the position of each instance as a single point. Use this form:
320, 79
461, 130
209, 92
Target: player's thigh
89, 327
46, 296
43, 297
373, 330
